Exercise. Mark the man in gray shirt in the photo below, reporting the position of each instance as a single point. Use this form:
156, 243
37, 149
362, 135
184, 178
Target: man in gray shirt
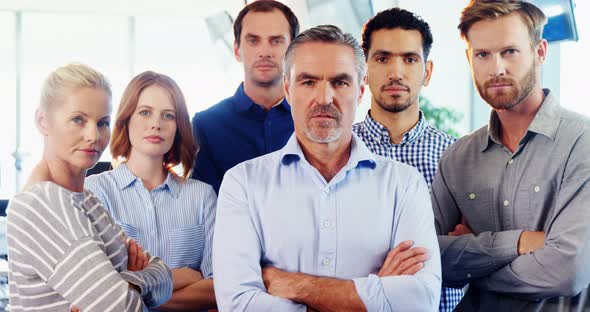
511, 199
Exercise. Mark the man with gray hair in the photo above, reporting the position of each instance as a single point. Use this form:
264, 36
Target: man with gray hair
324, 224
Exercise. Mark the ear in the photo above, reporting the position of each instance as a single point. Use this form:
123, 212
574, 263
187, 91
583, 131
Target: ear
286, 88
428, 73
237, 52
41, 121
541, 51
362, 90
468, 56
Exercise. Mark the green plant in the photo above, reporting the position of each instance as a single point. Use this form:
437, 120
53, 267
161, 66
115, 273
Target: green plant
444, 119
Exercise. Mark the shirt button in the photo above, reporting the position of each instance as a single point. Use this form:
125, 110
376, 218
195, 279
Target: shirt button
326, 224
506, 203
536, 189
471, 196
327, 190
326, 261
468, 275
510, 161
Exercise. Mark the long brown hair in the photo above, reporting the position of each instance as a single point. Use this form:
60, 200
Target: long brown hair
184, 147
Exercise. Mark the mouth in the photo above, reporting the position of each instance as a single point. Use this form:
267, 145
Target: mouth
89, 151
499, 86
154, 139
265, 66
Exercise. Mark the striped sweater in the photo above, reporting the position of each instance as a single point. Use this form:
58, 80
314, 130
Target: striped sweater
65, 250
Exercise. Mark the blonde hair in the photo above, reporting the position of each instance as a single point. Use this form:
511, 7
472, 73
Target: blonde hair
478, 10
69, 78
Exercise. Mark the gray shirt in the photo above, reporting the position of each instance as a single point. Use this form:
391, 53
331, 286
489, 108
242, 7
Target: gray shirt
542, 186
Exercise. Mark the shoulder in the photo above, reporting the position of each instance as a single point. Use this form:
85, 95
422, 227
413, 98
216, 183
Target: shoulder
400, 171
194, 187
218, 110
258, 166
574, 120
438, 136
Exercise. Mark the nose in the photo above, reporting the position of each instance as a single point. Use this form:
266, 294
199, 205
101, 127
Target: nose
91, 133
395, 71
324, 94
156, 123
265, 50
497, 67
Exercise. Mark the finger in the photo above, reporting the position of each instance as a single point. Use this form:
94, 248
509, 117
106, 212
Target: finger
391, 254
408, 263
400, 257
132, 263
413, 269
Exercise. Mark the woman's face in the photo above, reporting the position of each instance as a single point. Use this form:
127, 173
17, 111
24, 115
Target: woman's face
152, 127
77, 129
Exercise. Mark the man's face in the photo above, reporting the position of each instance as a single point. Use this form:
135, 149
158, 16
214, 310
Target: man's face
504, 65
396, 68
324, 91
263, 41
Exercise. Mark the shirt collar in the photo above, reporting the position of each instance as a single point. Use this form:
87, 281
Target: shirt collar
125, 178
244, 102
360, 155
545, 122
380, 133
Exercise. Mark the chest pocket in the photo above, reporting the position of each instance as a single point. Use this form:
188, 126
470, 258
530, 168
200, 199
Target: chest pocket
186, 246
477, 208
536, 206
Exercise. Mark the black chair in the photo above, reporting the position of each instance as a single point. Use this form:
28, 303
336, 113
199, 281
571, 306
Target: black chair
99, 167
3, 205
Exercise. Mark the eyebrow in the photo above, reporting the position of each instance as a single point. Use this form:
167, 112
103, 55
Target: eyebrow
340, 76
389, 53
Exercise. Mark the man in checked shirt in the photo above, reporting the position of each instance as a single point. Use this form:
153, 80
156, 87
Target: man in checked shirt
396, 44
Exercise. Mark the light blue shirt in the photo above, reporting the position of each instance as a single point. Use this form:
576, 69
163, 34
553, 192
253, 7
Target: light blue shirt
174, 221
278, 210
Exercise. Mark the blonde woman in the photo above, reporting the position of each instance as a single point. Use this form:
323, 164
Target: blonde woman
65, 251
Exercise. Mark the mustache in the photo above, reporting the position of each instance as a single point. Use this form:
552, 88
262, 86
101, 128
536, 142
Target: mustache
329, 110
266, 63
395, 83
497, 80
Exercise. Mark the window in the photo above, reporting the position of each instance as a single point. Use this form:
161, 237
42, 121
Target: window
7, 102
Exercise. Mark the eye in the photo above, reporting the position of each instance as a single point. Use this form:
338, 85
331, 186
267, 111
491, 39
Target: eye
308, 83
510, 51
277, 41
104, 124
144, 113
381, 59
340, 83
411, 59
169, 116
78, 120
481, 54
252, 40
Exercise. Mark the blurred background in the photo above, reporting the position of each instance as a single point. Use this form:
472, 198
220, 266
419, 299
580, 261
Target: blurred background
191, 41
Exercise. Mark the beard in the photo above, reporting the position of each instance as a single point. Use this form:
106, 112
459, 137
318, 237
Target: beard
265, 82
324, 131
519, 90
391, 103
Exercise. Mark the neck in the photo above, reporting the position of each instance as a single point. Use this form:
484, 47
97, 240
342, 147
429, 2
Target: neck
515, 122
327, 158
59, 172
398, 123
150, 170
266, 97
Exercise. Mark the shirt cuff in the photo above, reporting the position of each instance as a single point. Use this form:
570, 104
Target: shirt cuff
505, 245
371, 292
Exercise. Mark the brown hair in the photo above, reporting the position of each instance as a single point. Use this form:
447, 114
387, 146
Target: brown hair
478, 10
184, 147
266, 6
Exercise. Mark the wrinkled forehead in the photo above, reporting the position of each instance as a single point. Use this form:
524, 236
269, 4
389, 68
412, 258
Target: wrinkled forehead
323, 60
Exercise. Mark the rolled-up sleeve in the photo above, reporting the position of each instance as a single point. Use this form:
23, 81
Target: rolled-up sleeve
237, 253
418, 292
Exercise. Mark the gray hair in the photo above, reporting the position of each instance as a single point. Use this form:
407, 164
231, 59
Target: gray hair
69, 78
326, 34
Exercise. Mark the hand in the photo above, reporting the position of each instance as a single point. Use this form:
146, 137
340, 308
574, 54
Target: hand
138, 260
403, 260
280, 283
530, 241
461, 228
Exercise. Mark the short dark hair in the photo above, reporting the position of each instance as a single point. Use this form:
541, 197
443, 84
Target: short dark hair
326, 34
397, 18
266, 6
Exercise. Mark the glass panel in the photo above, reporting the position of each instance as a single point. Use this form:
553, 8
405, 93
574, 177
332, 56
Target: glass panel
8, 104
50, 41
